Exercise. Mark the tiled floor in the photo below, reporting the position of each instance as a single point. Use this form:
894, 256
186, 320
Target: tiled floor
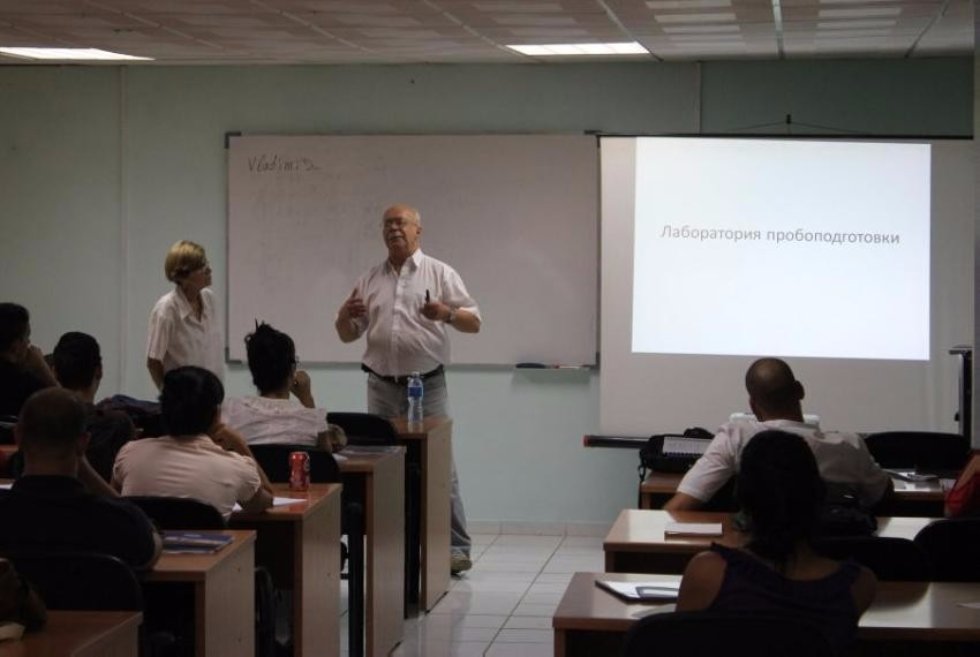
503, 606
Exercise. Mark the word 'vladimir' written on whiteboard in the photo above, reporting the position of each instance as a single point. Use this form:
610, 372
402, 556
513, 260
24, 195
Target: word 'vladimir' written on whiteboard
266, 163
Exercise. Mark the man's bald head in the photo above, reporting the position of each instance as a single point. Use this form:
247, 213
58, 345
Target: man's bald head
774, 393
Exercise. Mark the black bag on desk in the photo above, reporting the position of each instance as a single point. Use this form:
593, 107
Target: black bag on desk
652, 455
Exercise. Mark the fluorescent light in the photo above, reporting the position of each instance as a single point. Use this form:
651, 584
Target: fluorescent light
702, 29
855, 25
860, 12
688, 4
83, 54
578, 49
716, 17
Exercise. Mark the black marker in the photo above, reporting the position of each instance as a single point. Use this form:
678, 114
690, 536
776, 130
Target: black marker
427, 296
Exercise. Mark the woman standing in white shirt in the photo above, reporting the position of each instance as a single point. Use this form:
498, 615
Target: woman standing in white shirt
184, 326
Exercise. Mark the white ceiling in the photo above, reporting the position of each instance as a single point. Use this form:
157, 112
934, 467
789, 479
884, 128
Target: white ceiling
476, 31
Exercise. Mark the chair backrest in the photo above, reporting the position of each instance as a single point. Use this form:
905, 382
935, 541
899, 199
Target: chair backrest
890, 559
951, 545
80, 580
684, 634
924, 450
7, 424
179, 512
365, 428
274, 459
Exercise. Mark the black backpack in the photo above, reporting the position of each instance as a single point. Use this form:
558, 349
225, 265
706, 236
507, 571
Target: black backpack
652, 456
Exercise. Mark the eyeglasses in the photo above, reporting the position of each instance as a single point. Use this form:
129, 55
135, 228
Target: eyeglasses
396, 222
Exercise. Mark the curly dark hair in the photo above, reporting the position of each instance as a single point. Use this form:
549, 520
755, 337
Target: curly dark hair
271, 357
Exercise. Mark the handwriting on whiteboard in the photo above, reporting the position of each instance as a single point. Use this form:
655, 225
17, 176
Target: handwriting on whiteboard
266, 163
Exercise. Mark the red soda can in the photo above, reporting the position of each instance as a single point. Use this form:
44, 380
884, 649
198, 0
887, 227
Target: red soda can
299, 471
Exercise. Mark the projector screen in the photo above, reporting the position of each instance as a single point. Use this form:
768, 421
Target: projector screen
845, 258
843, 228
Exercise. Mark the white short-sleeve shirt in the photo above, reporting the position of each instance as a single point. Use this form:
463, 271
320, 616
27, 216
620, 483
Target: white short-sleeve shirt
187, 467
264, 421
178, 338
842, 458
400, 340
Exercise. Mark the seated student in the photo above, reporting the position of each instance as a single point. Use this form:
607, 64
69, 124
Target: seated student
200, 458
60, 502
273, 417
780, 492
77, 364
22, 368
964, 498
775, 397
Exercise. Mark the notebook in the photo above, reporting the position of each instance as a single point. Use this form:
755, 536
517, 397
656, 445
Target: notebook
653, 590
693, 529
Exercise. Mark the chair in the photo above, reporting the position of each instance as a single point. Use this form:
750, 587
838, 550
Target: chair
80, 580
890, 559
365, 428
274, 460
923, 450
7, 424
684, 634
951, 546
179, 512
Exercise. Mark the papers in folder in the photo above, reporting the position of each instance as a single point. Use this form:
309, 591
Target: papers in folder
653, 590
693, 529
684, 446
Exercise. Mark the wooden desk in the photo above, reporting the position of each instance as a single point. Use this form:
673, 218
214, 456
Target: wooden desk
636, 542
925, 617
80, 634
300, 545
427, 544
224, 594
923, 499
375, 477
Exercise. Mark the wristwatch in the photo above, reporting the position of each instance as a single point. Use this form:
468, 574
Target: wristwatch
452, 316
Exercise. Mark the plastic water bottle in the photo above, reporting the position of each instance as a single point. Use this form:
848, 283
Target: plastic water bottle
415, 402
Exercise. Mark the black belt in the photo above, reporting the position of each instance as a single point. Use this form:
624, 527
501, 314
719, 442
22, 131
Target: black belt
403, 379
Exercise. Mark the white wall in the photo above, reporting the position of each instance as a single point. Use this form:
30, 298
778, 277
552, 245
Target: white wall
103, 168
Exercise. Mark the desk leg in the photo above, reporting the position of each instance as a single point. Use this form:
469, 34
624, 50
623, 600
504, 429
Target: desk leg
354, 512
384, 526
413, 520
436, 454
225, 608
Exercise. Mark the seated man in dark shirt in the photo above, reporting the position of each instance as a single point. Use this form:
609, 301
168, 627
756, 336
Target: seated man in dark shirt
22, 368
60, 503
78, 365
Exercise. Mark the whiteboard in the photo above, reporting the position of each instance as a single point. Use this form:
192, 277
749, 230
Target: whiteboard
515, 215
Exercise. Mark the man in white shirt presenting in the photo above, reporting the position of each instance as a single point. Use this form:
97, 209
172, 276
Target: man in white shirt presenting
775, 397
406, 306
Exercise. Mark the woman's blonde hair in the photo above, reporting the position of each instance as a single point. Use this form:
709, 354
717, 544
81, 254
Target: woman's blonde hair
183, 258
